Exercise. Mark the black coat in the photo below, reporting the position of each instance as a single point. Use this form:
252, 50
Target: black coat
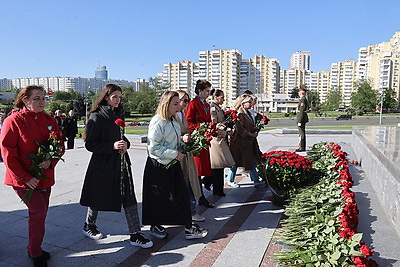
102, 186
71, 127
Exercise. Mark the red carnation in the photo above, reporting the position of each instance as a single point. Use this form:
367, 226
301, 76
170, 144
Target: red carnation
120, 123
366, 251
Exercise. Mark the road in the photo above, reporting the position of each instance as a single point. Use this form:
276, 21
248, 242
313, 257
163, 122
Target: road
357, 120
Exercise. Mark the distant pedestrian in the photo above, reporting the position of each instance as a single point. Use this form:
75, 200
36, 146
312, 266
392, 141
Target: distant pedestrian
60, 120
108, 185
19, 136
165, 195
71, 129
302, 119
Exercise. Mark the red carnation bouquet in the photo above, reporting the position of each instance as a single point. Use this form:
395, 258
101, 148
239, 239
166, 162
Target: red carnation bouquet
199, 139
231, 117
124, 163
52, 148
260, 121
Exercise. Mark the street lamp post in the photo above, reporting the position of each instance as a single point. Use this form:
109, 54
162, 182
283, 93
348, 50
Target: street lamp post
86, 102
380, 111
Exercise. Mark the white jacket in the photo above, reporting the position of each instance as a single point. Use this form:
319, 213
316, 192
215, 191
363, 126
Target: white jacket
163, 139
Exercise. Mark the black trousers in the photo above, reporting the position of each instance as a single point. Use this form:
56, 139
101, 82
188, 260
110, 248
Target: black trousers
70, 142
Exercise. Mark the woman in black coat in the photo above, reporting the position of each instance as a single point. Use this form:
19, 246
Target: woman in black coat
107, 186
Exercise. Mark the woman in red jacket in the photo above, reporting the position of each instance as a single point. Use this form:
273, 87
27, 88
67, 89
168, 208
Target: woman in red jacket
197, 111
19, 134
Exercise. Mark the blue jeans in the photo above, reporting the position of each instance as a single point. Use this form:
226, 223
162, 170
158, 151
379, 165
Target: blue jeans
253, 174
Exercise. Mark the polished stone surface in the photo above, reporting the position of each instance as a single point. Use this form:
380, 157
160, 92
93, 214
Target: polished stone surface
384, 138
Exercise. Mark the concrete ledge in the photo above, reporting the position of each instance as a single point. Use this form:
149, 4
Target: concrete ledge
316, 131
382, 173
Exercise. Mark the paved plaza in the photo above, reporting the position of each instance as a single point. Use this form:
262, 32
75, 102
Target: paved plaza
240, 226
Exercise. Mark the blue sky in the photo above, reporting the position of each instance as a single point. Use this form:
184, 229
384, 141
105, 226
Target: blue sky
135, 38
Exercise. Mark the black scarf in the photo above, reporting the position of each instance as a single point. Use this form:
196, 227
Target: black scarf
112, 114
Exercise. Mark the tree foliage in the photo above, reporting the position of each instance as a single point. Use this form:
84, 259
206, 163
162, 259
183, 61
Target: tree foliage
364, 99
390, 101
333, 100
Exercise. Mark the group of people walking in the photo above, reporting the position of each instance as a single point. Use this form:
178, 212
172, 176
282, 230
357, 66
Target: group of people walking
170, 195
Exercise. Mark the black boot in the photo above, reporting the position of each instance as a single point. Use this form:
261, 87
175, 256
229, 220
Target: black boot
207, 182
204, 202
218, 182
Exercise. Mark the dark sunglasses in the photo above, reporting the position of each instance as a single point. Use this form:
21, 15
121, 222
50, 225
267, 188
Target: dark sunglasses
185, 100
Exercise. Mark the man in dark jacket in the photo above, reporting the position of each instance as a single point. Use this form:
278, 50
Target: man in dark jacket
71, 129
302, 119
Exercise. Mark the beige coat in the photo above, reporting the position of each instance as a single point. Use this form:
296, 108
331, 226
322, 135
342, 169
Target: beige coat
220, 154
188, 165
245, 149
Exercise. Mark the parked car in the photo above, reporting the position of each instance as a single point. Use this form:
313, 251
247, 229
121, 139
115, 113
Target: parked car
134, 123
145, 123
344, 117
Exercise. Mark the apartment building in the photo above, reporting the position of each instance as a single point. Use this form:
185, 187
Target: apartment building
180, 75
300, 60
260, 75
290, 79
343, 77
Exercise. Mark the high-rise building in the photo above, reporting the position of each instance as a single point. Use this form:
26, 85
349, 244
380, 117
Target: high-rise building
300, 60
221, 67
179, 75
101, 73
343, 77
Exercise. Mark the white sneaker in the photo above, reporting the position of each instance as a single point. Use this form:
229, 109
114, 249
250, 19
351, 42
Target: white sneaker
198, 218
233, 184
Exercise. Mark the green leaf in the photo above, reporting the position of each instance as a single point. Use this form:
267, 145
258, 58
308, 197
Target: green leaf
319, 217
336, 255
357, 237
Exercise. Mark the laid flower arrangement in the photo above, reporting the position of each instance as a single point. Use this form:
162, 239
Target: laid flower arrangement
52, 148
124, 163
260, 121
200, 138
321, 228
285, 172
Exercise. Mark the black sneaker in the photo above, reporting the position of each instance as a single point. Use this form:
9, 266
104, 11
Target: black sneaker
90, 230
39, 261
158, 231
46, 255
195, 232
139, 240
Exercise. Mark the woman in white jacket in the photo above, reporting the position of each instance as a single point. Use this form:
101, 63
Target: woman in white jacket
165, 195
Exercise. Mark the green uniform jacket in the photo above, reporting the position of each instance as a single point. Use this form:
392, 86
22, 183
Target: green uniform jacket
302, 110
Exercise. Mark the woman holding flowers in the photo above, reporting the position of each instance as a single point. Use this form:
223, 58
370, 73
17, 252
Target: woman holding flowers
108, 183
187, 162
165, 195
21, 134
198, 111
220, 154
244, 146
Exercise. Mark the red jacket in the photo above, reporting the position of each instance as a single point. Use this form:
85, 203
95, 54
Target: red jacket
196, 113
18, 139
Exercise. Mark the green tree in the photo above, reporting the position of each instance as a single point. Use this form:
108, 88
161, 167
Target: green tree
364, 99
313, 100
389, 101
333, 100
295, 92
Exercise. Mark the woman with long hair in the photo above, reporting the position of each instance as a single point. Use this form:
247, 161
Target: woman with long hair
188, 165
19, 136
220, 154
198, 111
165, 195
108, 186
244, 146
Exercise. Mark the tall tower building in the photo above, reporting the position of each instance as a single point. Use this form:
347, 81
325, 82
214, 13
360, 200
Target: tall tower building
260, 75
221, 67
101, 73
300, 60
343, 77
179, 75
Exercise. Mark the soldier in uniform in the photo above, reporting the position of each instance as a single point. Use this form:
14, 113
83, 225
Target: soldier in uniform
302, 119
